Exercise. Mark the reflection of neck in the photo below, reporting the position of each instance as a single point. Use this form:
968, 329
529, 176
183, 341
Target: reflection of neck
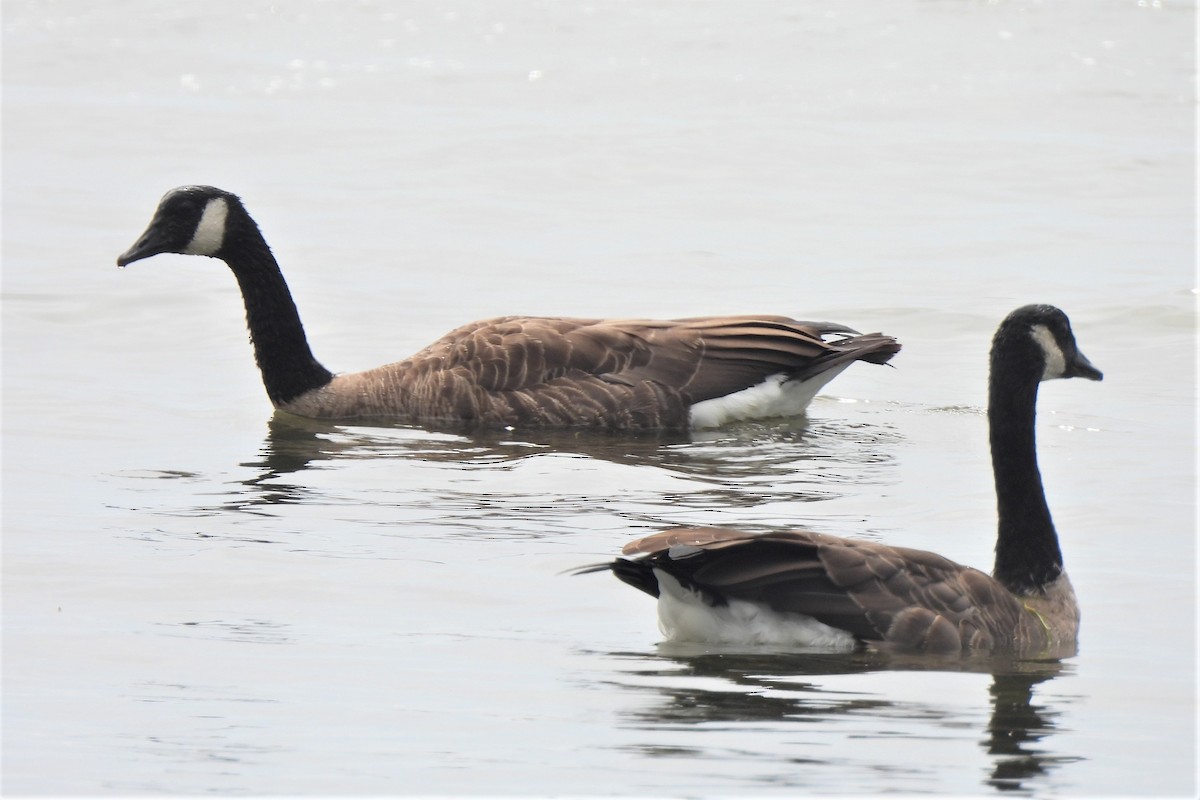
1015, 723
293, 443
288, 366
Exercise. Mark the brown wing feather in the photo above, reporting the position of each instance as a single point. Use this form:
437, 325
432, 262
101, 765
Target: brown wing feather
704, 356
735, 353
511, 353
909, 599
565, 372
690, 537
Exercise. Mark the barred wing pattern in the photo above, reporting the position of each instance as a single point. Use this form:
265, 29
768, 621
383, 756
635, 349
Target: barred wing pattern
905, 598
614, 374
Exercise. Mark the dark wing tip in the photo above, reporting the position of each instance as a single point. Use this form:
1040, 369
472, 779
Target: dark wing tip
587, 569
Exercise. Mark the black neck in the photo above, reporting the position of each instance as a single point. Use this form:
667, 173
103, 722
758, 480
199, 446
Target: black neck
288, 366
1027, 552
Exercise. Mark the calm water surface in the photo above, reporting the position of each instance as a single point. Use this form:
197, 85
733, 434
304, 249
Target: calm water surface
200, 597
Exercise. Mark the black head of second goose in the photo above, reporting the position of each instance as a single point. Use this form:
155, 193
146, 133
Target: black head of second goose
1035, 343
799, 588
528, 372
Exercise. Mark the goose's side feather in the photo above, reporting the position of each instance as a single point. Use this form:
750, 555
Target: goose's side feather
616, 374
810, 589
563, 372
888, 596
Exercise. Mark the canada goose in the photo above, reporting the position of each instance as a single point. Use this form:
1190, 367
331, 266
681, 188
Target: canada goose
801, 588
537, 372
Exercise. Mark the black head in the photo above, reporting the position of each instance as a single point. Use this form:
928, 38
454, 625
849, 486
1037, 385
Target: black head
191, 220
1041, 336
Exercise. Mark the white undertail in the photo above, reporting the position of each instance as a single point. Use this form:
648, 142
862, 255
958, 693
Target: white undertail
775, 397
683, 616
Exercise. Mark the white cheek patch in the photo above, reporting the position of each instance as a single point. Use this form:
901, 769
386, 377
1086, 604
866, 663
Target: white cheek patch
210, 232
1056, 362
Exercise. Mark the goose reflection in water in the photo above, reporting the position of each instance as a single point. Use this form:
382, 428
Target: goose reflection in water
1016, 726
799, 459
706, 688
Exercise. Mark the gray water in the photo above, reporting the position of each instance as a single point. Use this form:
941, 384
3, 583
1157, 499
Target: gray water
200, 597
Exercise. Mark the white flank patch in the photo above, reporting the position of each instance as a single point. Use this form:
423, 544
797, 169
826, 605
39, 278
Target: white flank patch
774, 397
210, 231
1056, 362
684, 617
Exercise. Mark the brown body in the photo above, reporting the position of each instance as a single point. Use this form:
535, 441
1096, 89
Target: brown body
611, 374
895, 597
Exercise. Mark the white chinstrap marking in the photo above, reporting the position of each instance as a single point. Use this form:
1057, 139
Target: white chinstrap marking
684, 617
1056, 362
774, 397
210, 231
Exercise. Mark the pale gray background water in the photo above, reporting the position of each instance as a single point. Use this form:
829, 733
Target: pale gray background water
199, 599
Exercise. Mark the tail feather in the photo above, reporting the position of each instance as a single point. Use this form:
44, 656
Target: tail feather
638, 574
875, 348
